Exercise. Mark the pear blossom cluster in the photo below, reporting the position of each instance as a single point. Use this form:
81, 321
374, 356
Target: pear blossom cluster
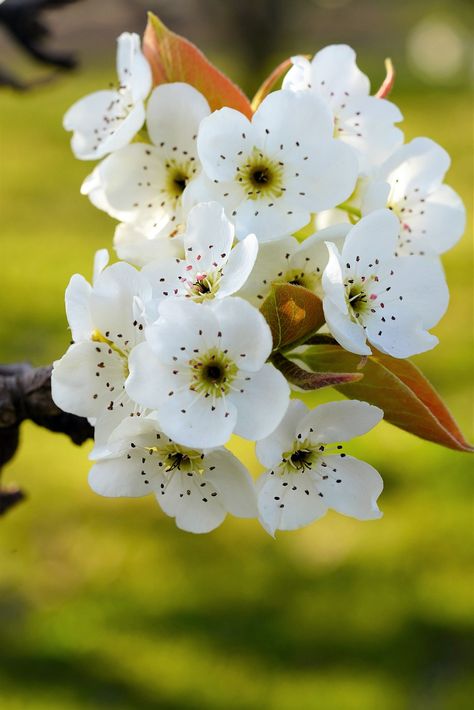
171, 354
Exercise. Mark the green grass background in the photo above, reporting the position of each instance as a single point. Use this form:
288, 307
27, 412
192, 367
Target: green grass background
105, 604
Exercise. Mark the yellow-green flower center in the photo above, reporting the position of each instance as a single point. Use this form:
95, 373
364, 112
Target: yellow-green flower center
310, 280
213, 373
179, 458
300, 458
261, 176
178, 176
206, 286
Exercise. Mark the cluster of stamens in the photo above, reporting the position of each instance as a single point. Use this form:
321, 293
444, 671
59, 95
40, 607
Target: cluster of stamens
205, 286
177, 177
213, 374
261, 176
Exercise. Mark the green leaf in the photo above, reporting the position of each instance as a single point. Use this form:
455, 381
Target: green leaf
174, 58
312, 380
396, 386
292, 312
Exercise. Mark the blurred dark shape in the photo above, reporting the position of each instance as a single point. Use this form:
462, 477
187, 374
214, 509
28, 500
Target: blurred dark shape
258, 27
22, 20
25, 393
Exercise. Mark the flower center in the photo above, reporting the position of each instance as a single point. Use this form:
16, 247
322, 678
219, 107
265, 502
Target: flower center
179, 458
177, 178
261, 176
301, 458
213, 374
310, 280
206, 286
357, 300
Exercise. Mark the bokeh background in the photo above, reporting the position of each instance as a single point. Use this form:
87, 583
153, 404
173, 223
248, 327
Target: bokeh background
105, 604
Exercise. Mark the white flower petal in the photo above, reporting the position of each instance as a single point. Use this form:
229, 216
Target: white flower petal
208, 237
268, 221
174, 112
329, 218
436, 224
122, 476
166, 276
101, 260
132, 68
420, 164
348, 334
300, 121
239, 266
145, 381
404, 337
353, 489
224, 137
115, 303
422, 282
311, 257
366, 124
79, 381
132, 179
334, 73
93, 188
333, 280
133, 245
183, 499
375, 196
245, 333
78, 293
373, 238
232, 483
183, 330
339, 421
94, 137
336, 176
271, 264
193, 420
298, 77
261, 402
288, 502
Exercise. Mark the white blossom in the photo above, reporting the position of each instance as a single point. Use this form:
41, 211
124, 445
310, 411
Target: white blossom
107, 322
197, 487
273, 172
203, 368
308, 472
289, 261
105, 121
148, 181
410, 183
369, 294
364, 122
139, 248
211, 268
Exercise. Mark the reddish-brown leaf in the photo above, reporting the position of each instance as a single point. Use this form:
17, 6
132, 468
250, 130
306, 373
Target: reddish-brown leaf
387, 84
174, 58
269, 83
396, 386
292, 312
312, 380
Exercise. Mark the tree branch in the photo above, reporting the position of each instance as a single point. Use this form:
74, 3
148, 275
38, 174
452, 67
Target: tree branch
25, 393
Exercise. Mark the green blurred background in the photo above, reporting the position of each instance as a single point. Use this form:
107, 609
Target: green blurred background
104, 603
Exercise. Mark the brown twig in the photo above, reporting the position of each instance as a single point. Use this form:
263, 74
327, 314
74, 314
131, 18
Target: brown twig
25, 393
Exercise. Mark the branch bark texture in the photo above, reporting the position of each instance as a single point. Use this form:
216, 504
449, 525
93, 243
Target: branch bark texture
25, 393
